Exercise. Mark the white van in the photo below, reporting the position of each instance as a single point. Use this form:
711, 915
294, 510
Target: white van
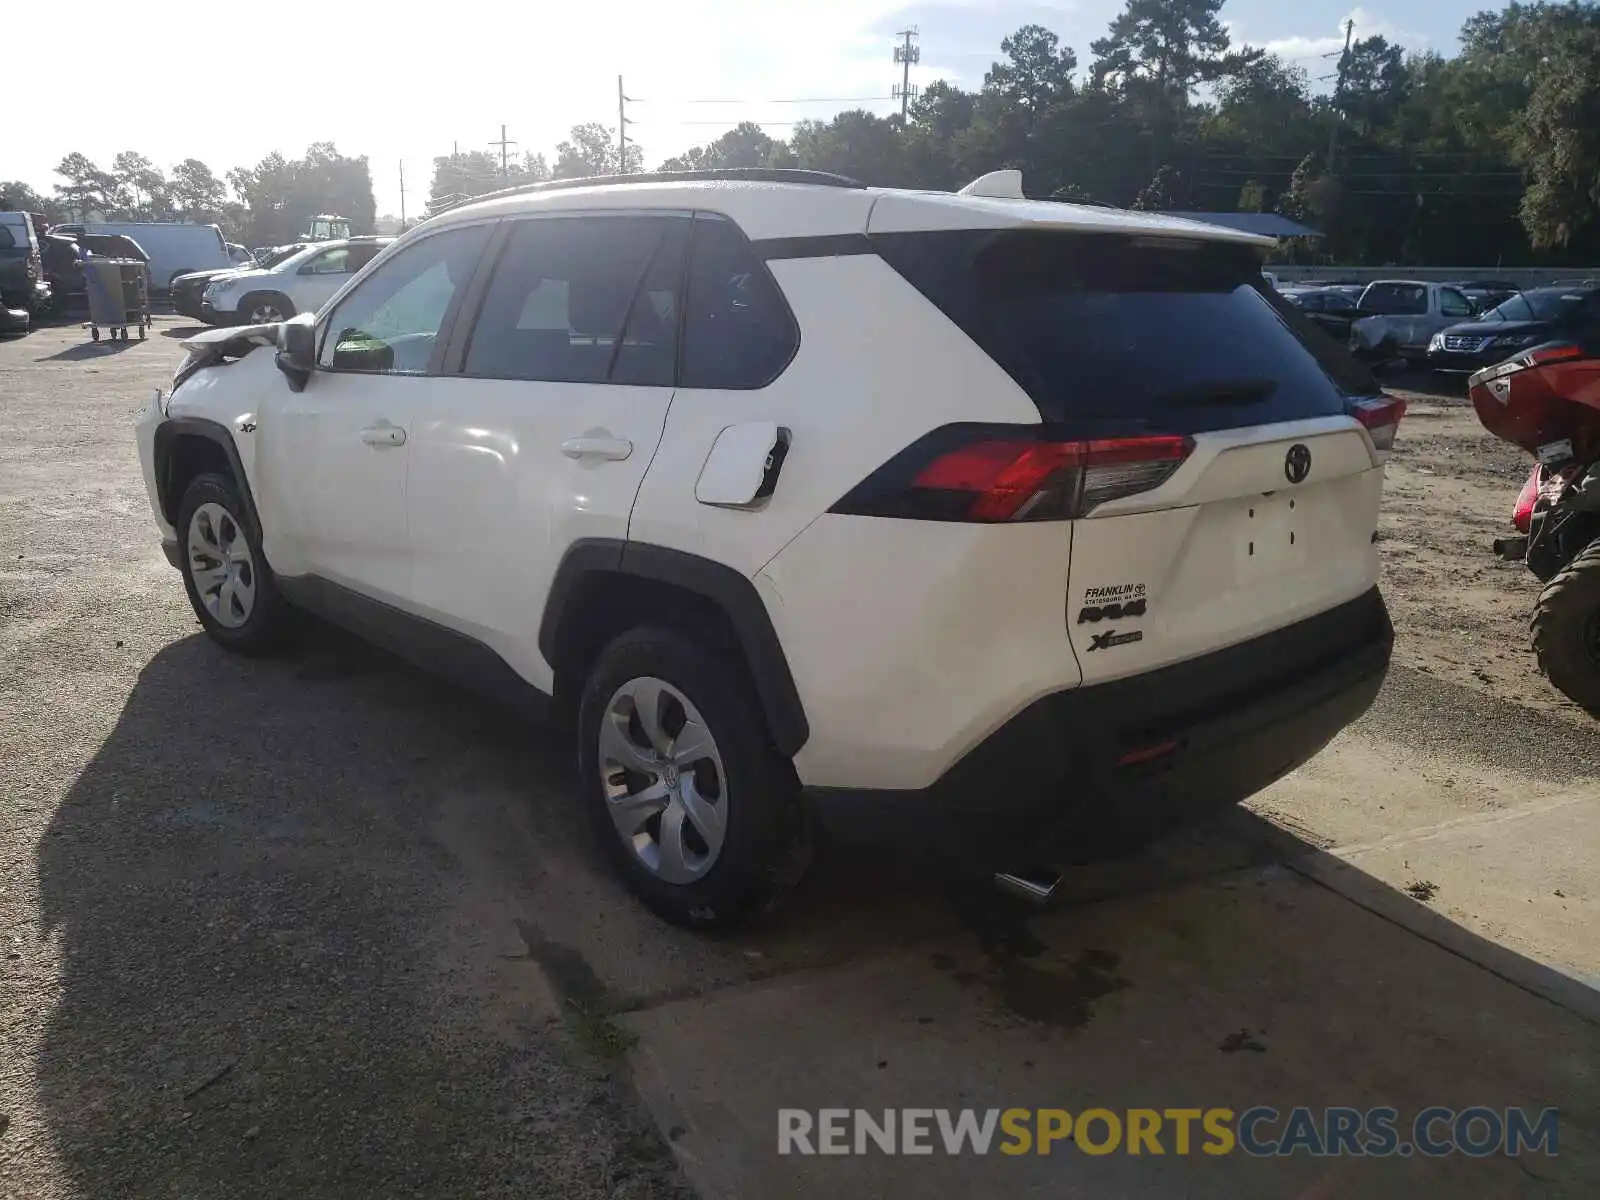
174, 249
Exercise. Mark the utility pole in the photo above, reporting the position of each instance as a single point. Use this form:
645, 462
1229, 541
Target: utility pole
504, 146
1338, 93
402, 196
905, 54
622, 129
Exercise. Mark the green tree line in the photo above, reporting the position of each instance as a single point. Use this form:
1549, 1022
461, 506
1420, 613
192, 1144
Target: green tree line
264, 205
1489, 156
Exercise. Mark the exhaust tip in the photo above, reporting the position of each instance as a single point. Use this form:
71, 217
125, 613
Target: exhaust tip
1035, 887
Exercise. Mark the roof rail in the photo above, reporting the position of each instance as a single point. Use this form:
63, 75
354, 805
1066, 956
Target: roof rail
723, 174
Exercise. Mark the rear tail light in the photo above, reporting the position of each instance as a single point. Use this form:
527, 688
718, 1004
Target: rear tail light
1380, 415
1522, 515
1562, 352
991, 474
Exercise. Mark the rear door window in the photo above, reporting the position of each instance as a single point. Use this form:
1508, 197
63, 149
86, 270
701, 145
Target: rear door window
583, 300
1453, 304
1131, 334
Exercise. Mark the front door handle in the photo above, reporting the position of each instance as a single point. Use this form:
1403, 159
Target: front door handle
611, 449
383, 434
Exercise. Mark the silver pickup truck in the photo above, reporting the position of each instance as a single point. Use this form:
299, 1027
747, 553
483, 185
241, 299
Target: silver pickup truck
1398, 317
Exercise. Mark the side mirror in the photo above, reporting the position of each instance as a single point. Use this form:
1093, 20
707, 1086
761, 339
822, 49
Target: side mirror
297, 350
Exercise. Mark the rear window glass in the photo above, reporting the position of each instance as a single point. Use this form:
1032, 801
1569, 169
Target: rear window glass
1395, 299
1131, 333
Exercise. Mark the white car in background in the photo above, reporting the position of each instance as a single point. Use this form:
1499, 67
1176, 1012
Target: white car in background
300, 283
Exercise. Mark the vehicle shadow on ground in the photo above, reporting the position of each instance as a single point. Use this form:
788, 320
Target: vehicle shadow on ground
104, 348
1427, 383
297, 903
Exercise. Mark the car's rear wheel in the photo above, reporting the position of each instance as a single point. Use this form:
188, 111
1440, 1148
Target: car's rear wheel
1566, 629
699, 814
265, 308
225, 574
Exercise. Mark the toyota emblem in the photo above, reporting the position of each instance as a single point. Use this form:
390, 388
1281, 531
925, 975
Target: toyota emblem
1297, 463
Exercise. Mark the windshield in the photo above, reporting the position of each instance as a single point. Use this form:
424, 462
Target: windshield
1546, 304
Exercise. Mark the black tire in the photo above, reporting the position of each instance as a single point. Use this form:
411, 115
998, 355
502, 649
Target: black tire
1566, 630
769, 841
249, 305
265, 627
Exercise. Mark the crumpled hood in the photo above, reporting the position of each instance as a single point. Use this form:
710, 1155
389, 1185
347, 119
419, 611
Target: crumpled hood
213, 347
209, 340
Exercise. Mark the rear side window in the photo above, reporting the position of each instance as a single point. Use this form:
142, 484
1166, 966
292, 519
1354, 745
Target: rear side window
7, 242
1453, 304
738, 331
583, 300
1131, 334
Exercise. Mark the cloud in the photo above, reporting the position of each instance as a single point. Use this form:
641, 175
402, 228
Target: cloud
1301, 48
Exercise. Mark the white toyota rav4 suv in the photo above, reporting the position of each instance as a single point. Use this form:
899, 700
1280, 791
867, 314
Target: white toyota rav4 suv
953, 521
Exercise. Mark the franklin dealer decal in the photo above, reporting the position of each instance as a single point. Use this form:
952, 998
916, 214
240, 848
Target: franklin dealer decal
1115, 603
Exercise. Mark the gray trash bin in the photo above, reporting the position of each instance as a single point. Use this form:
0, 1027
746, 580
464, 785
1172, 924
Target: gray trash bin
118, 298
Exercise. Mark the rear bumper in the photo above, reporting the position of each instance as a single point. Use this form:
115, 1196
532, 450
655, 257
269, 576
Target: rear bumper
1065, 772
186, 302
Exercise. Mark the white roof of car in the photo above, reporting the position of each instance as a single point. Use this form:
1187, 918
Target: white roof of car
780, 209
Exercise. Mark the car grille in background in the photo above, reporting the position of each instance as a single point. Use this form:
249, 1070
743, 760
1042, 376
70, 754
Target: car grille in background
1465, 345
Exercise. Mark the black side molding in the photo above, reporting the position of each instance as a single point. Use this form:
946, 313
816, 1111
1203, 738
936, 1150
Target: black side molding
730, 591
830, 245
433, 647
173, 428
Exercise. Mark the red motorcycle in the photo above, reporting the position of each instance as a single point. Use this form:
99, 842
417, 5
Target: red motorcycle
1547, 400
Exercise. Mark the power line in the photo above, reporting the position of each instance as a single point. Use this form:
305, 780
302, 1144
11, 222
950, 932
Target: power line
777, 100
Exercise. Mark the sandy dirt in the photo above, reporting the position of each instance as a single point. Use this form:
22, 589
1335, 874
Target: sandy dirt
1461, 614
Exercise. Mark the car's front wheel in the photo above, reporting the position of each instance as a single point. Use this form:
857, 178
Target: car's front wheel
700, 815
224, 572
265, 308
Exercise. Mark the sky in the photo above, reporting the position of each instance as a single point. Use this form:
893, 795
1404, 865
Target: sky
402, 85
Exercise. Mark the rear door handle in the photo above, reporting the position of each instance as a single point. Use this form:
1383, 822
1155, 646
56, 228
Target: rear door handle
383, 434
611, 449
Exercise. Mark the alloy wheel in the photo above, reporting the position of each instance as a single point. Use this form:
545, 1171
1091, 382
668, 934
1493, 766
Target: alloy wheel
664, 783
221, 565
266, 313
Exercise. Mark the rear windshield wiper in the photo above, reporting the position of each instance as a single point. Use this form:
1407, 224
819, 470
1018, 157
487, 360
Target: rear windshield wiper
1219, 392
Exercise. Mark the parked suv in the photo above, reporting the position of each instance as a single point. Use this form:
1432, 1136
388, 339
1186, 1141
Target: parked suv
1516, 324
964, 523
298, 283
22, 280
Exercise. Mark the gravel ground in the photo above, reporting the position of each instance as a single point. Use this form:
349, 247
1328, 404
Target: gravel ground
254, 937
